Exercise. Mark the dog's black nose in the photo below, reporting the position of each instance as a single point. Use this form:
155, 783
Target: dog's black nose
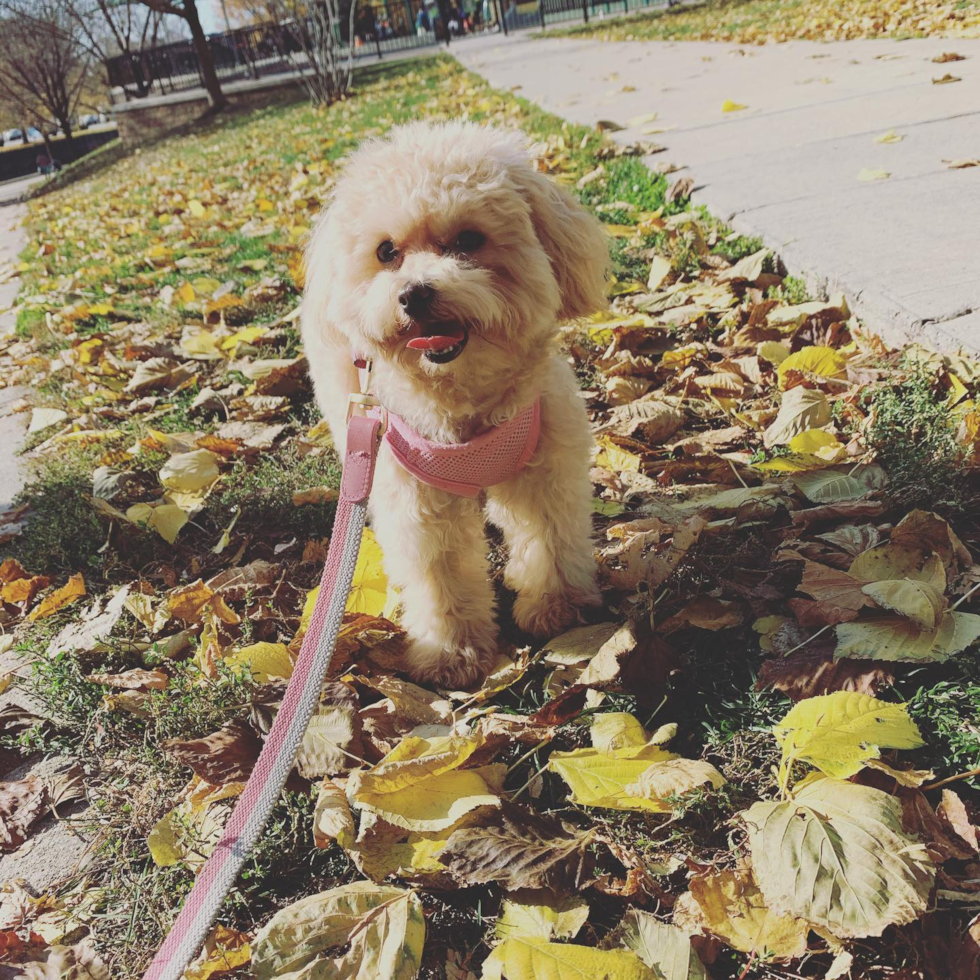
416, 298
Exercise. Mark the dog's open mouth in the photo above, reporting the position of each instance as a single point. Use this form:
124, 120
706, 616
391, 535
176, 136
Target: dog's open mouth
441, 342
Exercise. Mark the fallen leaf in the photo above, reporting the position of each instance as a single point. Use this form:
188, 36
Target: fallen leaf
359, 930
69, 593
836, 856
732, 907
530, 958
521, 848
838, 733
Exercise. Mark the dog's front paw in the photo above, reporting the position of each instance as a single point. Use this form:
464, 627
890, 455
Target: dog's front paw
449, 665
547, 615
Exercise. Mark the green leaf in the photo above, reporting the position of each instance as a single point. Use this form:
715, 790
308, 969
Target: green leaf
382, 925
838, 733
836, 855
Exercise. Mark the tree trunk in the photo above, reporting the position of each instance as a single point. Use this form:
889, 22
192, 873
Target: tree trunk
216, 97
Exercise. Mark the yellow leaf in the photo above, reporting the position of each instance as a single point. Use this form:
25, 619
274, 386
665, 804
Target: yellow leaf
190, 472
659, 270
264, 660
821, 362
71, 592
838, 733
886, 637
867, 174
604, 774
732, 907
414, 759
683, 356
729, 106
165, 519
197, 209
224, 950
531, 958
186, 293
541, 915
675, 778
186, 835
432, 804
918, 601
616, 458
773, 352
890, 137
369, 588
360, 930
818, 443
893, 560
246, 335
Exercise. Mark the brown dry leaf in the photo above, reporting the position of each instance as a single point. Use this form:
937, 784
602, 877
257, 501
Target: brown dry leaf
649, 550
136, 679
79, 962
953, 813
21, 591
810, 673
225, 756
732, 907
190, 602
11, 570
520, 849
71, 592
706, 613
838, 595
22, 803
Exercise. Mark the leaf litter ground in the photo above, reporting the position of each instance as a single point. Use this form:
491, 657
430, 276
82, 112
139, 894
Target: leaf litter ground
754, 762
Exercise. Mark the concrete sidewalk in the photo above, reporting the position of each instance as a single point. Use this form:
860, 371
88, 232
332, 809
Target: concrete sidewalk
13, 426
904, 250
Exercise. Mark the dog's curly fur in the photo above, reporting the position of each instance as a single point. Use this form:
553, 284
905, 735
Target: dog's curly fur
544, 259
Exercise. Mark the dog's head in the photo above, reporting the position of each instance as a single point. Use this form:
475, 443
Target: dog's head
446, 256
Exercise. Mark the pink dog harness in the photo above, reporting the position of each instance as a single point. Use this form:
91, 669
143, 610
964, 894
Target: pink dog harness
466, 468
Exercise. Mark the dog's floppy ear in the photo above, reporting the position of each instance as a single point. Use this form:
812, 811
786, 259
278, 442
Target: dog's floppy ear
574, 240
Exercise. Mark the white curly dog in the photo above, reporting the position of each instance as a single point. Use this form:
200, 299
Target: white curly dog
446, 259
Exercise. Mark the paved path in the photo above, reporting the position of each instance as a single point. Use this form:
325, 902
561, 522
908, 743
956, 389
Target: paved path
12, 426
903, 250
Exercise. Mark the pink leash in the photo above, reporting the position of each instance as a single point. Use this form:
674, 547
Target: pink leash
302, 696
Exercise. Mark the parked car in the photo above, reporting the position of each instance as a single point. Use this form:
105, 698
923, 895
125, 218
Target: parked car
13, 134
91, 119
34, 135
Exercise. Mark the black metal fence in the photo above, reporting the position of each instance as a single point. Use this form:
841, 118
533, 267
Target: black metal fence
382, 27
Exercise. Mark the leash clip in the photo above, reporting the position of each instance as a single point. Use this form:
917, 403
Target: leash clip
369, 407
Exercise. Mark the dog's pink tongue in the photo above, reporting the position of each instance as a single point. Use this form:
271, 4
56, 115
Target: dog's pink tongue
438, 341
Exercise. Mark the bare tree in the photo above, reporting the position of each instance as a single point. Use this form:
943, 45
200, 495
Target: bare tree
307, 35
110, 28
187, 11
45, 68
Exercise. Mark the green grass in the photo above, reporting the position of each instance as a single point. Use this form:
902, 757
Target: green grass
913, 430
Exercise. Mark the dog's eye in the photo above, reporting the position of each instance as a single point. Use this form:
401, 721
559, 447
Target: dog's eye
386, 251
469, 241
